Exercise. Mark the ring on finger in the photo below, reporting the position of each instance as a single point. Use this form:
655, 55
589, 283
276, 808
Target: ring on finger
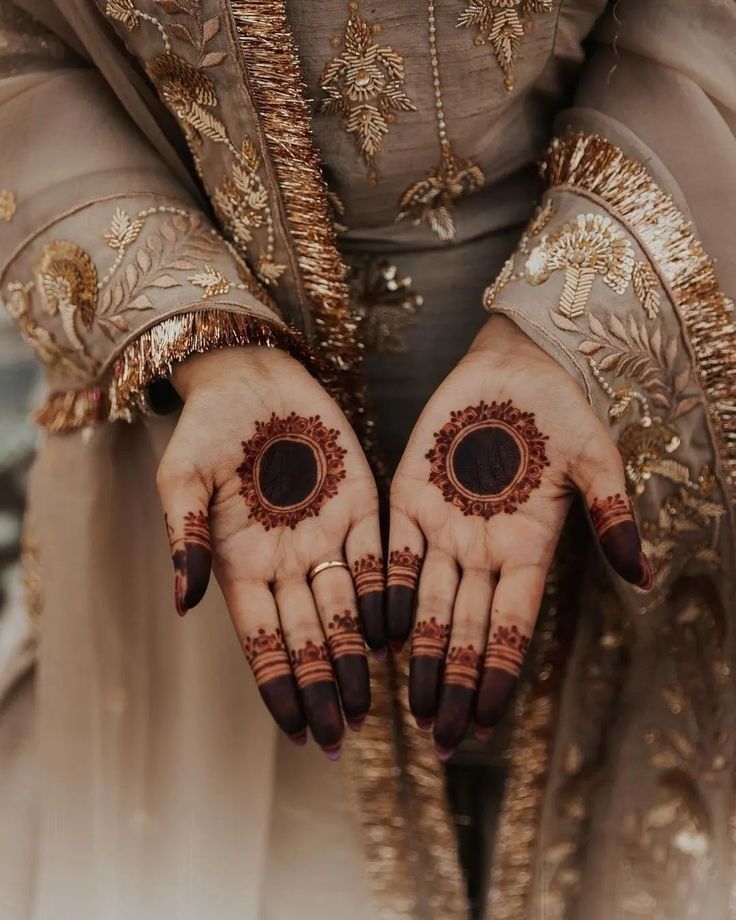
323, 566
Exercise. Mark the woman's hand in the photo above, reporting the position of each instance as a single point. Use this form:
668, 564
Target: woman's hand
481, 494
263, 479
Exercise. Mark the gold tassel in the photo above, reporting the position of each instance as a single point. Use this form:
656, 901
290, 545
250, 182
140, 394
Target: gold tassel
590, 164
152, 355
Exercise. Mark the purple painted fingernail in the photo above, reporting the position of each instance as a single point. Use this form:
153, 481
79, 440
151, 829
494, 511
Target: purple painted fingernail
442, 753
381, 654
333, 753
299, 738
424, 725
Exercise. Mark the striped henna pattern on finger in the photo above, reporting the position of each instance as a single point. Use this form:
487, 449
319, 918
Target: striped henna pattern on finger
344, 636
502, 665
403, 568
192, 558
369, 581
267, 655
506, 650
311, 664
430, 639
616, 530
462, 667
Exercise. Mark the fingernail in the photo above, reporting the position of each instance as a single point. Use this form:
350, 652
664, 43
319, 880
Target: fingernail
355, 724
381, 654
396, 647
647, 576
424, 725
333, 753
483, 734
442, 753
300, 738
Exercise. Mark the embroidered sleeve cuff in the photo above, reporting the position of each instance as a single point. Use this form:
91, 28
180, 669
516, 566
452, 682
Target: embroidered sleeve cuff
611, 281
115, 293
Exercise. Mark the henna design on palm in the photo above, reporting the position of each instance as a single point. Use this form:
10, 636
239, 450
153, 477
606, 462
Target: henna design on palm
291, 467
488, 458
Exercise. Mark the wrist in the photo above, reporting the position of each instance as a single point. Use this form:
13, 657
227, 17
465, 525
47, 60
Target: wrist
207, 368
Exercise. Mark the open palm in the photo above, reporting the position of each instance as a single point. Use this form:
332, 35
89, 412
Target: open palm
477, 504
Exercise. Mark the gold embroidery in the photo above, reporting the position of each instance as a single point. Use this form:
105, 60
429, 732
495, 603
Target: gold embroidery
430, 200
7, 204
592, 245
503, 24
365, 84
384, 303
67, 282
241, 201
66, 279
596, 166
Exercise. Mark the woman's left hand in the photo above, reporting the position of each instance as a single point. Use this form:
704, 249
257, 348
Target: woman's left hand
477, 504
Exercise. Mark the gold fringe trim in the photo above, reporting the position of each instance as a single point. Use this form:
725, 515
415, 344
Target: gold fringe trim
590, 163
270, 59
151, 356
385, 804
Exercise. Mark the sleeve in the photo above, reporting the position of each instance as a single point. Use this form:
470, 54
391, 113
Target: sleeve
108, 266
614, 280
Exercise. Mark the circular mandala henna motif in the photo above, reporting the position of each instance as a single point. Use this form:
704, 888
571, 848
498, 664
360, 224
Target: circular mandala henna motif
488, 458
291, 467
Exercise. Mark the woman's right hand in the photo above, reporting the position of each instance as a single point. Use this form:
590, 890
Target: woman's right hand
264, 479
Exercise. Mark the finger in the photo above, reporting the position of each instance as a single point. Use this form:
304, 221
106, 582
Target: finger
600, 477
363, 549
255, 617
437, 589
334, 596
516, 603
404, 565
185, 500
470, 619
310, 662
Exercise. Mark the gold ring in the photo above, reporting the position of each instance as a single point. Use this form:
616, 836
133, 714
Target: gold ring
323, 566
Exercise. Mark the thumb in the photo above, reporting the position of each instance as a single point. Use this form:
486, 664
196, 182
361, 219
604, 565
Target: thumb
185, 500
601, 480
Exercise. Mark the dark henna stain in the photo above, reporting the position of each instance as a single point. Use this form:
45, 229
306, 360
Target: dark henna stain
429, 644
313, 671
618, 535
488, 458
502, 665
192, 558
267, 656
369, 587
455, 709
403, 574
351, 666
291, 467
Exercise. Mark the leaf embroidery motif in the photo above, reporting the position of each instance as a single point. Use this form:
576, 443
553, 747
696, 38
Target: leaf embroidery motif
502, 24
365, 85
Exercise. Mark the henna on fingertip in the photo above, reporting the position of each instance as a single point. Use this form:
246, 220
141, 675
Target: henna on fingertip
457, 695
404, 567
617, 533
349, 661
267, 655
369, 582
315, 679
502, 664
429, 644
191, 554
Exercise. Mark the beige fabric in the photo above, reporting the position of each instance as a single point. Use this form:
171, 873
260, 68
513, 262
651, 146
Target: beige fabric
164, 791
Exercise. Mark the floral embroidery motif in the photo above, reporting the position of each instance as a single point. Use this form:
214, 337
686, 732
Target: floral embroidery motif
431, 200
384, 303
69, 285
592, 245
365, 84
66, 279
241, 201
7, 205
502, 24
